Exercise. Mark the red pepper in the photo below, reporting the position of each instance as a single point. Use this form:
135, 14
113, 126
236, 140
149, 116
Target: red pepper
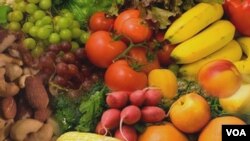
238, 12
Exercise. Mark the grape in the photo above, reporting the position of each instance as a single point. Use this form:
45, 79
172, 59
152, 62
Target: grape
27, 26
76, 32
64, 11
44, 32
39, 23
54, 48
45, 4
39, 14
63, 22
54, 38
29, 43
75, 46
37, 51
31, 8
20, 6
69, 15
75, 24
73, 70
31, 19
33, 31
46, 20
69, 57
65, 34
14, 26
33, 1
65, 46
56, 19
62, 69
60, 80
84, 37
15, 16
80, 53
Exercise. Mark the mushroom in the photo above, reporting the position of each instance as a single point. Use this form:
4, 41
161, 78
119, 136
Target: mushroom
45, 133
22, 128
7, 89
13, 71
5, 128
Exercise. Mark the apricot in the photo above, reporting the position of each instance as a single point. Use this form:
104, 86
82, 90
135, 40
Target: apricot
220, 78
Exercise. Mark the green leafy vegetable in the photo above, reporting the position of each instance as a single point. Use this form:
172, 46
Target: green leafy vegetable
4, 9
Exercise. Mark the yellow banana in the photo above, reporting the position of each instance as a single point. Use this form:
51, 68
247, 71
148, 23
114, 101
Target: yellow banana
193, 21
245, 44
205, 43
232, 52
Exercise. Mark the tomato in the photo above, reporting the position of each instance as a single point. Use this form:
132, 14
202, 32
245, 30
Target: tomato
101, 49
125, 15
164, 54
136, 29
100, 21
238, 12
120, 76
147, 63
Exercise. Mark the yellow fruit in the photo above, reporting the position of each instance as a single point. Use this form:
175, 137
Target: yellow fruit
166, 132
213, 130
81, 136
238, 103
245, 44
232, 52
205, 43
165, 80
193, 21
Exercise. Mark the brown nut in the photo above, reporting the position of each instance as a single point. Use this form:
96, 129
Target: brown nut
45, 133
36, 93
23, 109
8, 106
5, 130
42, 114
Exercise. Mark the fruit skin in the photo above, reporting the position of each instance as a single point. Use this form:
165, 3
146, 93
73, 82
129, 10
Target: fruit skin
213, 130
232, 52
165, 80
77, 136
165, 132
205, 43
238, 103
190, 113
193, 21
220, 78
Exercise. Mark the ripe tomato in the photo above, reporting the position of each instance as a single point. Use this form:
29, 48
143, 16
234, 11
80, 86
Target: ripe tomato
101, 49
147, 62
125, 15
164, 54
120, 76
136, 29
100, 21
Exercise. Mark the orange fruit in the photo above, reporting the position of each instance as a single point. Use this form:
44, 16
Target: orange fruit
165, 132
212, 132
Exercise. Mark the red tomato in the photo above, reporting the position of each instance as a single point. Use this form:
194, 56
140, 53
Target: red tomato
100, 21
164, 54
101, 49
147, 63
125, 15
120, 76
136, 29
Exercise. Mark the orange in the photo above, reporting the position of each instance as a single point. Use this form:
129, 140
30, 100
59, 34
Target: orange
165, 132
212, 132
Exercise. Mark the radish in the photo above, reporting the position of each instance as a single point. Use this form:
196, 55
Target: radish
110, 119
152, 97
151, 114
127, 133
130, 115
100, 129
117, 99
137, 97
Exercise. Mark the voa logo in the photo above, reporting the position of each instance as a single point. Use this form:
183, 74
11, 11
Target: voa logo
236, 132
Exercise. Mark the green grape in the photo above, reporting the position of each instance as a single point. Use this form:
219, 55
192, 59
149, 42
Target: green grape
65, 34
18, 0
29, 43
64, 11
75, 46
56, 19
20, 6
37, 51
39, 14
14, 26
46, 20
31, 19
39, 23
69, 15
75, 24
63, 22
76, 32
33, 1
26, 26
54, 38
15, 16
45, 4
33, 31
44, 32
84, 37
57, 28
31, 8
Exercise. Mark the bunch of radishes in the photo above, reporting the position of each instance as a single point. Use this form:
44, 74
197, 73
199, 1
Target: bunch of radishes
128, 108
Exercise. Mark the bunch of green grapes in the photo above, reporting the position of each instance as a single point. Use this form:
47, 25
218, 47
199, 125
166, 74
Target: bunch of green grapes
42, 27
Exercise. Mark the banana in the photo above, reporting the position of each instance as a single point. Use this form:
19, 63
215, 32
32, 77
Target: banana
205, 43
193, 21
245, 44
231, 51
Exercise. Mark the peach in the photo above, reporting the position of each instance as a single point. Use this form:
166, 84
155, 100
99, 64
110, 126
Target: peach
220, 78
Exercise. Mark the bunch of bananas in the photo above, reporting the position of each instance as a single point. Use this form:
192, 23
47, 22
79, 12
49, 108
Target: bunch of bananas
202, 36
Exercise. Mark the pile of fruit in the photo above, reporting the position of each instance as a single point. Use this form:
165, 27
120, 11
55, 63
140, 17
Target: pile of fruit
124, 70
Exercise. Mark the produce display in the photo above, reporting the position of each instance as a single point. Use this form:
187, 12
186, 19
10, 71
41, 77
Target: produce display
123, 70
